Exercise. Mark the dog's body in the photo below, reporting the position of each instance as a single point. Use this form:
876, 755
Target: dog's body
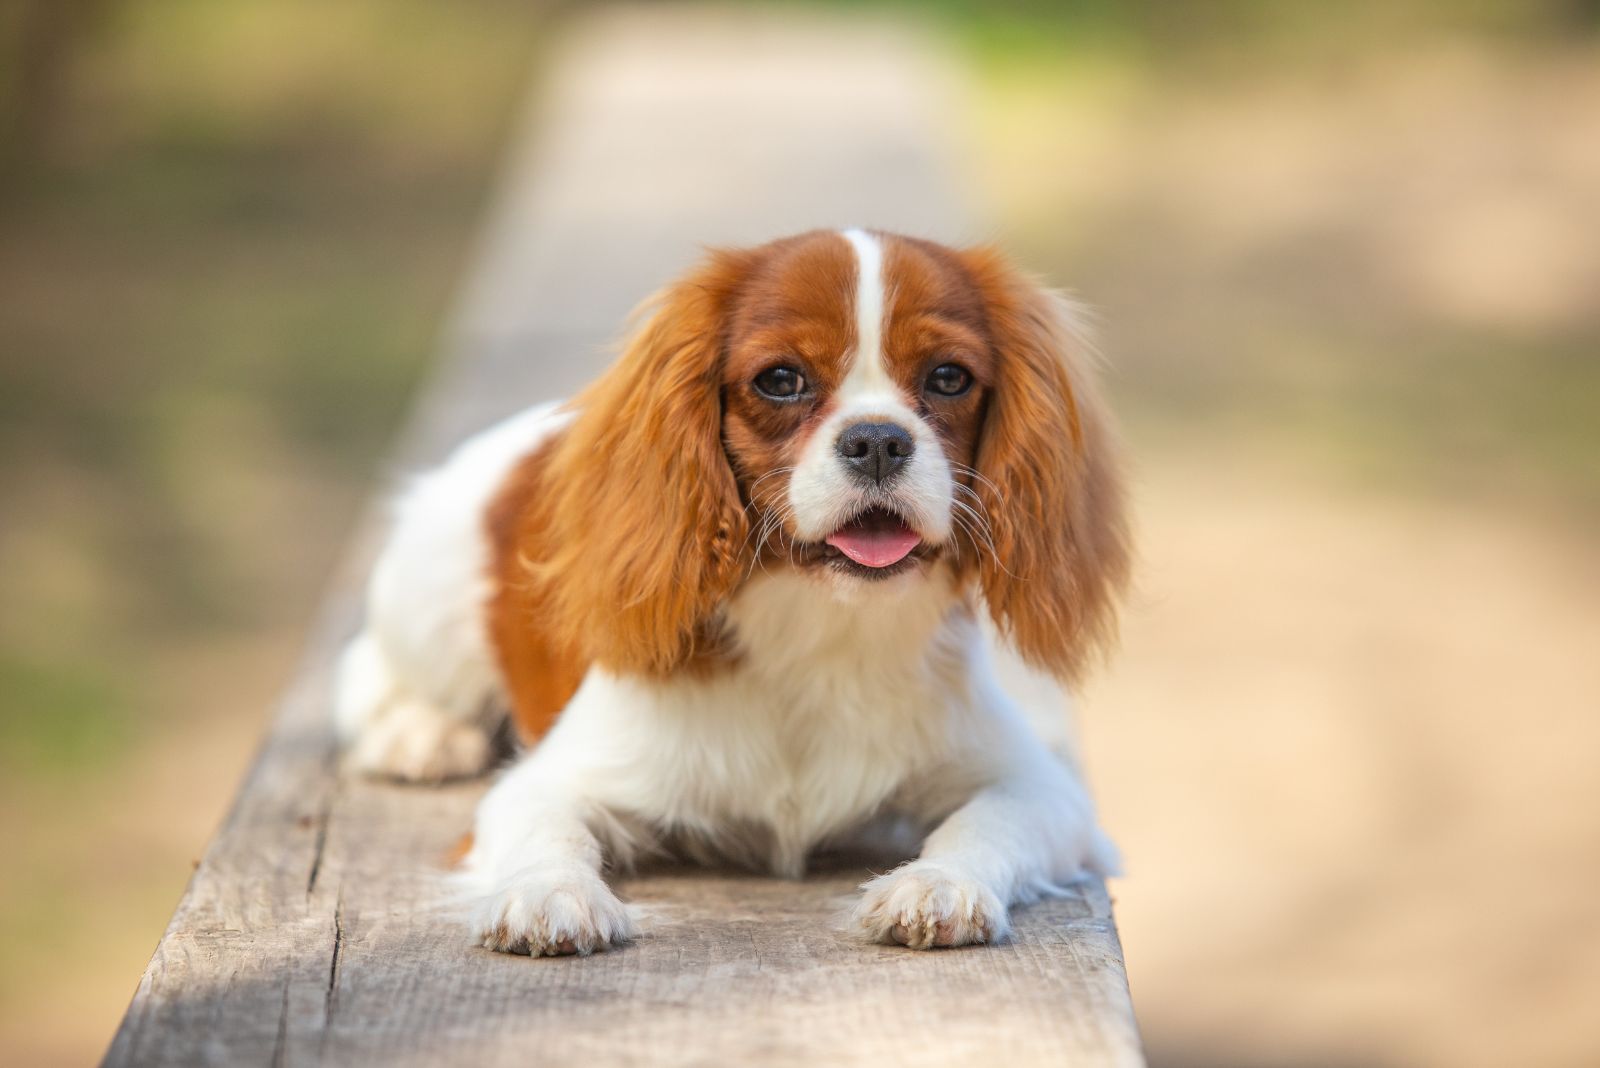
732, 596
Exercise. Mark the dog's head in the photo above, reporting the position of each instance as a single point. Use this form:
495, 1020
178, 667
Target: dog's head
861, 407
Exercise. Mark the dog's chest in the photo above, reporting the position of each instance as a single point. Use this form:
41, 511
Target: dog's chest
773, 771
830, 710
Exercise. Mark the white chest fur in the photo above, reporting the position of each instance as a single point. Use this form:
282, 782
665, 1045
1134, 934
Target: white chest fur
840, 702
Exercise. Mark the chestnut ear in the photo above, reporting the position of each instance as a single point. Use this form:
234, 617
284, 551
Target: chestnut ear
641, 520
1052, 488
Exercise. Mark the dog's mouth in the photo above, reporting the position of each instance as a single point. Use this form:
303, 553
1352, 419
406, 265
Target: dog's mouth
876, 539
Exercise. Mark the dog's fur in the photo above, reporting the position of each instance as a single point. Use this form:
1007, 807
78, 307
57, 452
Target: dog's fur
664, 584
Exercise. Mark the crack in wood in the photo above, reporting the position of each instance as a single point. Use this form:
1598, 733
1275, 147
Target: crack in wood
330, 997
319, 847
280, 1046
316, 856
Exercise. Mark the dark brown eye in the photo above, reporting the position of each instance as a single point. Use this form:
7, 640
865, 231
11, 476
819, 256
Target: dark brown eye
781, 383
949, 380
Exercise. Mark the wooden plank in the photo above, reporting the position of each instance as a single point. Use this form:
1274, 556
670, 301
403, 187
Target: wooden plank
313, 931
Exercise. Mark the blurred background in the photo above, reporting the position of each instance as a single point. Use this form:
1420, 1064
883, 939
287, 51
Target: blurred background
1347, 262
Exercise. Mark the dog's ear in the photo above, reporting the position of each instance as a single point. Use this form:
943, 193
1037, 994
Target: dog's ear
1051, 485
641, 523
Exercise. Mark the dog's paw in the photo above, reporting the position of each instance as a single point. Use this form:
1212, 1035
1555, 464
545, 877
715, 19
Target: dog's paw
415, 743
552, 915
922, 906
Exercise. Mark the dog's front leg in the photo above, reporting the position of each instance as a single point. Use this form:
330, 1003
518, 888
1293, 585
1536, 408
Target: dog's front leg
534, 870
1025, 833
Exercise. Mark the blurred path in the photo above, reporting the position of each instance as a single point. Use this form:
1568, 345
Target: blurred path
312, 931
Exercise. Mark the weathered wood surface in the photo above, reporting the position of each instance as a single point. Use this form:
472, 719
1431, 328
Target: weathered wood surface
313, 930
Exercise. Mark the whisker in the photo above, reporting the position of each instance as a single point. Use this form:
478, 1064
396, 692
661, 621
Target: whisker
978, 519
769, 516
773, 524
977, 526
976, 497
977, 475
762, 533
770, 474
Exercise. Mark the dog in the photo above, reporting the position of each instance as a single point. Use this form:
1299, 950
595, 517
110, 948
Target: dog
744, 597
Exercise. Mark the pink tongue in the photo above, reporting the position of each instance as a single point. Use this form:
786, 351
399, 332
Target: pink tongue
875, 547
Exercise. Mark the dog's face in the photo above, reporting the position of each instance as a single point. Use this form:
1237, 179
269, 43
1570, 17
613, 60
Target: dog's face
854, 387
857, 406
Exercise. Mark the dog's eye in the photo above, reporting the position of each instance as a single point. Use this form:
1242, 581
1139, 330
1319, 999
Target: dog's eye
781, 383
949, 380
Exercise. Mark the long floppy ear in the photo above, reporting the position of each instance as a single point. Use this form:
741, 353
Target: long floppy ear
641, 523
1052, 487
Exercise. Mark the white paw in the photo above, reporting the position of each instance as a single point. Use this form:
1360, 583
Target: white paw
921, 905
416, 743
553, 914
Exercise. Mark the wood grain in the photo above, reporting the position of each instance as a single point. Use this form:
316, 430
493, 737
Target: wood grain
317, 930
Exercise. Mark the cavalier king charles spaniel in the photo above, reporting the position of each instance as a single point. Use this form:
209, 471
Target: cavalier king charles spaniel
751, 594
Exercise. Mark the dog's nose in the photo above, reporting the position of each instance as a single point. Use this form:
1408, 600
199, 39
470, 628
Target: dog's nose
875, 451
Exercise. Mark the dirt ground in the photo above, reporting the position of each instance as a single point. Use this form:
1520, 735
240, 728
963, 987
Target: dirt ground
1348, 750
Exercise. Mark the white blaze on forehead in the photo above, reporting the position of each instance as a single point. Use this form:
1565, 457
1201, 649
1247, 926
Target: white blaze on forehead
823, 495
867, 372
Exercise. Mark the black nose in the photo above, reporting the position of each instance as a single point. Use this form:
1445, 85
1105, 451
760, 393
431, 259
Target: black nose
875, 451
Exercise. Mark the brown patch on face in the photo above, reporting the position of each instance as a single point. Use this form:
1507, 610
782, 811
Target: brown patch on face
796, 309
937, 317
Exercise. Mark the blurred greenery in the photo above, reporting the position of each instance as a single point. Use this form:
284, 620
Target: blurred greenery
72, 718
1204, 32
229, 230
225, 259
